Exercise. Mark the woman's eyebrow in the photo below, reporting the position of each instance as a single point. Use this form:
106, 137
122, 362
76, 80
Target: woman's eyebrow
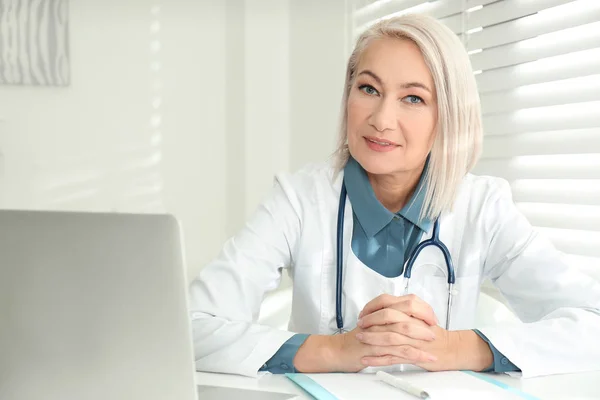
372, 75
406, 85
415, 84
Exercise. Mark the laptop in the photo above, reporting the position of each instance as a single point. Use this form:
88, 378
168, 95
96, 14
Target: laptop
93, 306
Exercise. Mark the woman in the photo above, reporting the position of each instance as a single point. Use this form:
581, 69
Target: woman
410, 134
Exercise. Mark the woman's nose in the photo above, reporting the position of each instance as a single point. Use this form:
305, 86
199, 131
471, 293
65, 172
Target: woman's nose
384, 116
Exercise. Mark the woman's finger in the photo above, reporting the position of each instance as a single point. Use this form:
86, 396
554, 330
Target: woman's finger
396, 334
404, 354
379, 302
410, 304
416, 308
385, 316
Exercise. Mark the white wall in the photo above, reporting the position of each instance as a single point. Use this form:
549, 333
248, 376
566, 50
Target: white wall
64, 141
285, 63
124, 136
193, 116
267, 94
290, 56
235, 121
318, 59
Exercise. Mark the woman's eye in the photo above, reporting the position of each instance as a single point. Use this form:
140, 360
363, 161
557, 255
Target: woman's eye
368, 89
412, 99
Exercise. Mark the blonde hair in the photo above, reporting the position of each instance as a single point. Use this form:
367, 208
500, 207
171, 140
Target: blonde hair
457, 145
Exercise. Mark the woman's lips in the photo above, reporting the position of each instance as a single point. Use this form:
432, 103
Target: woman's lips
380, 145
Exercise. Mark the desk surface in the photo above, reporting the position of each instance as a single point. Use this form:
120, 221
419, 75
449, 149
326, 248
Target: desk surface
572, 387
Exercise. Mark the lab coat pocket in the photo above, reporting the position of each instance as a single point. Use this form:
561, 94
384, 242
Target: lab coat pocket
465, 296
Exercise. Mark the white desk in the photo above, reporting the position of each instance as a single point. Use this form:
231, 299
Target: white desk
564, 387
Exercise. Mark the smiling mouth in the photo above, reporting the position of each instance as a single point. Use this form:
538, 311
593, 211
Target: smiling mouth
381, 142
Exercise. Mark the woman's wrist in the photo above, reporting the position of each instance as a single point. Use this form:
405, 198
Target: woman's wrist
322, 353
317, 354
472, 353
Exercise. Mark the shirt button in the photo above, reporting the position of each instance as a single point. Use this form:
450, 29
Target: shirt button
504, 361
284, 366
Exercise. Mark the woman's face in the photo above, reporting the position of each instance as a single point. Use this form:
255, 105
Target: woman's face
392, 109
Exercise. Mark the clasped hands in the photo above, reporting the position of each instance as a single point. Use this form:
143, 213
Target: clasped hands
395, 330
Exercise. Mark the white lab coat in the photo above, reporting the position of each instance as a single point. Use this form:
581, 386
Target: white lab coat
294, 229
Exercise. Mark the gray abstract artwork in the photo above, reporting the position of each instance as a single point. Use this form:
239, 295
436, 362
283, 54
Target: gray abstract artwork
34, 42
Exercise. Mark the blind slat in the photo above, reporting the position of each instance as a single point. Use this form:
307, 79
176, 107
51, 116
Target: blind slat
575, 141
569, 116
454, 22
507, 10
563, 216
567, 66
438, 9
566, 191
442, 9
475, 3
568, 91
366, 15
581, 38
579, 166
572, 15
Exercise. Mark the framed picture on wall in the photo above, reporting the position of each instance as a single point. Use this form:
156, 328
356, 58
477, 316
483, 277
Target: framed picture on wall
34, 45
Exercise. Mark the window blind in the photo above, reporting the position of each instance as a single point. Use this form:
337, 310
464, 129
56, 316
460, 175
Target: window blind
537, 65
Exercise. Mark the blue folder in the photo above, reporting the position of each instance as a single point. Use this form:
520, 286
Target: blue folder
318, 392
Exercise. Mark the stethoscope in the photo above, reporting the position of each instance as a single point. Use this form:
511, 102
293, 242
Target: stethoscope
433, 241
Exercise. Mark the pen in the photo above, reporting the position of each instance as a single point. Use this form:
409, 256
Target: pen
402, 384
